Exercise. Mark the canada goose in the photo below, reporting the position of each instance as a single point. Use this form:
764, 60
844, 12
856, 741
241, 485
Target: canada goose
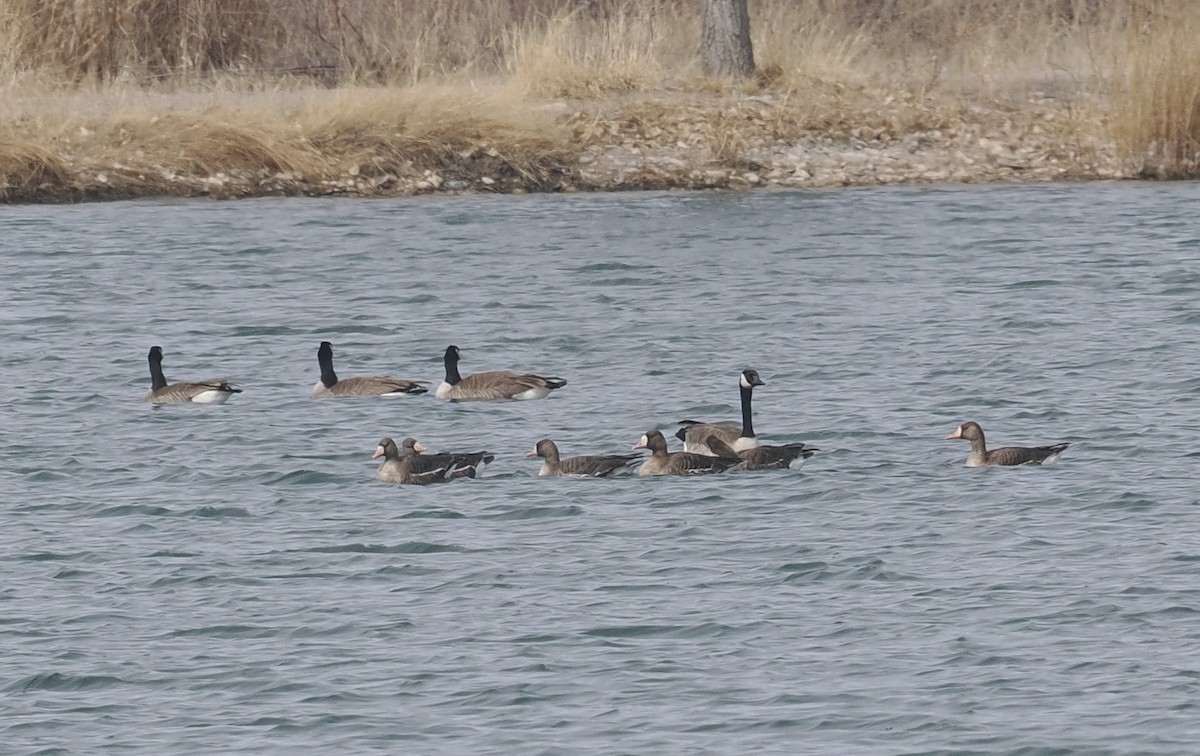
694, 435
363, 385
1009, 455
212, 391
589, 466
493, 385
418, 469
764, 457
662, 462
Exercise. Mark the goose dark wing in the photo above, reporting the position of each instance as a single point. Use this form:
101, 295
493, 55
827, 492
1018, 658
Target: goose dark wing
1025, 455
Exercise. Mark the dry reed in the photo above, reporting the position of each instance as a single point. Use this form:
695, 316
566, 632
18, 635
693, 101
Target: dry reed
185, 89
1157, 103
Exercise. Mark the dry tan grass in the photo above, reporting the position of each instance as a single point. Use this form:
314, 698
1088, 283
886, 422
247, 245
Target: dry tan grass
1157, 101
436, 127
27, 170
580, 56
149, 91
296, 137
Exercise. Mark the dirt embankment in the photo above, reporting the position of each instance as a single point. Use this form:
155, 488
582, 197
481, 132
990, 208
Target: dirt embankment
673, 140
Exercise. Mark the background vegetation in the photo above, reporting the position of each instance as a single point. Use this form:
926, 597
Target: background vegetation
324, 77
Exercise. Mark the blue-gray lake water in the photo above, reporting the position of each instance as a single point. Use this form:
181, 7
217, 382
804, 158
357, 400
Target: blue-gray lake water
232, 579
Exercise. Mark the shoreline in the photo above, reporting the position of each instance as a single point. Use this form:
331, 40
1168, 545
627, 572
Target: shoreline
659, 141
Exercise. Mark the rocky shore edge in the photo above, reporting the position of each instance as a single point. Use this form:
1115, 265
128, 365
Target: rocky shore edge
729, 144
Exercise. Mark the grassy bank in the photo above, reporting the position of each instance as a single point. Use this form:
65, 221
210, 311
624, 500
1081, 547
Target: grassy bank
247, 97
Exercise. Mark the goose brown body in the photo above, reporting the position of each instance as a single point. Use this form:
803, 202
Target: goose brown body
664, 462
587, 466
764, 457
414, 468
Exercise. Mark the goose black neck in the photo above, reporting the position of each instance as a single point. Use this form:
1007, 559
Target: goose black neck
747, 420
452, 376
157, 379
325, 358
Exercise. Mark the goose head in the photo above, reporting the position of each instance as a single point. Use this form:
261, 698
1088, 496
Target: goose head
969, 431
750, 379
546, 449
386, 448
652, 440
413, 446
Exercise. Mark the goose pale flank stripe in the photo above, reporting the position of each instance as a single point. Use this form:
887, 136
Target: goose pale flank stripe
212, 391
663, 462
588, 466
414, 468
764, 457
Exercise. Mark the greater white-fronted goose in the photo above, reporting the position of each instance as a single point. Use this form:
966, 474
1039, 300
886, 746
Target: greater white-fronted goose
363, 385
212, 391
462, 464
587, 466
695, 435
663, 462
415, 468
764, 457
1009, 455
494, 385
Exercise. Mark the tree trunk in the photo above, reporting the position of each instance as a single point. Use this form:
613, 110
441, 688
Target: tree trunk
725, 48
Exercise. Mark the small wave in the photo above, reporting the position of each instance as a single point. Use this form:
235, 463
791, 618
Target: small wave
359, 329
61, 682
805, 572
67, 574
224, 631
122, 510
277, 330
1034, 283
606, 266
302, 478
433, 514
45, 475
331, 631
418, 299
1170, 612
535, 513
216, 512
703, 630
410, 547
621, 282
406, 570
50, 556
46, 320
541, 638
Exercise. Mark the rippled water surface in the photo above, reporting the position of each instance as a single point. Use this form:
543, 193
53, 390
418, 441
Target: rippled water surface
221, 579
